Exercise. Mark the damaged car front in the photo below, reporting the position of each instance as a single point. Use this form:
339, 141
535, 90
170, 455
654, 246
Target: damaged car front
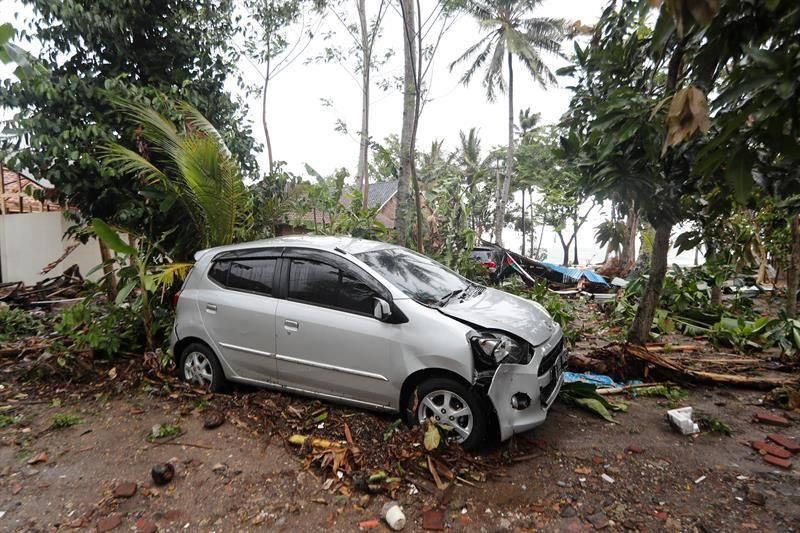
520, 356
514, 350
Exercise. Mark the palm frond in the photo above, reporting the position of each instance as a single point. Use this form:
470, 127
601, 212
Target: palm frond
494, 72
127, 161
195, 118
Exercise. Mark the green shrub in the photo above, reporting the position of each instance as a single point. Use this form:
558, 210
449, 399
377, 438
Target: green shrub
65, 420
16, 324
104, 328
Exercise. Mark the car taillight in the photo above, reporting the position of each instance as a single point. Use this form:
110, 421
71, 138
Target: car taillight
175, 300
490, 264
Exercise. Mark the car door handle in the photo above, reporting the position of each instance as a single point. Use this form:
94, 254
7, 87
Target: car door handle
291, 325
211, 308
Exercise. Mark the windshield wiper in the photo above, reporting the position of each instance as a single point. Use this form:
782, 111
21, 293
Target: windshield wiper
449, 296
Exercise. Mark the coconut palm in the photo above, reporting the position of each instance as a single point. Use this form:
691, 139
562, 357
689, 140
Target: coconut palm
512, 33
192, 163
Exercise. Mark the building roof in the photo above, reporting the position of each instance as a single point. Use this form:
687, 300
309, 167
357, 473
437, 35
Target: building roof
16, 194
379, 193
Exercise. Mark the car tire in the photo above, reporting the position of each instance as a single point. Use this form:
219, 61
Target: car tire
199, 366
436, 390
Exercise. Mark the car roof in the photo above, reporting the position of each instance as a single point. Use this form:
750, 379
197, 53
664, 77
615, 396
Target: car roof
318, 242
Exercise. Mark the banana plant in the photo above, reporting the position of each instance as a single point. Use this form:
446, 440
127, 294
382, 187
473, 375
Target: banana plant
139, 274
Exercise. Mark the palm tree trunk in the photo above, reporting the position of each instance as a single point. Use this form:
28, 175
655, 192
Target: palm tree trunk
365, 70
500, 210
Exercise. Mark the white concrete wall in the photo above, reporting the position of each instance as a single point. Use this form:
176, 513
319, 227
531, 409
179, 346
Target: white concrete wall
30, 241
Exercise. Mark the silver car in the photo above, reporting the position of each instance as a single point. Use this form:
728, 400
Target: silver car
369, 324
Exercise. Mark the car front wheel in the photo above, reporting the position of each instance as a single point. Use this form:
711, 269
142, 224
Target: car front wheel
200, 367
456, 408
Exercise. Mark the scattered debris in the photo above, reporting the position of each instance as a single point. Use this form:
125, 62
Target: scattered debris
607, 478
777, 461
765, 448
699, 480
369, 524
108, 523
629, 361
213, 419
394, 516
785, 442
162, 473
38, 458
585, 395
755, 496
682, 420
433, 520
765, 417
125, 490
57, 291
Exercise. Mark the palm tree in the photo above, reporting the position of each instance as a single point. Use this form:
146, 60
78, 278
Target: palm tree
192, 163
512, 33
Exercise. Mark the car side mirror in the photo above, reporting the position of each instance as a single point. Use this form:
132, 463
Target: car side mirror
382, 310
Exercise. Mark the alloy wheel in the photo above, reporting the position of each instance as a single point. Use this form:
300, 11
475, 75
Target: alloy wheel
198, 370
449, 410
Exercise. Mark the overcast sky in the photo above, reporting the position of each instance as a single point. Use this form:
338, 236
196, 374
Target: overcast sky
302, 127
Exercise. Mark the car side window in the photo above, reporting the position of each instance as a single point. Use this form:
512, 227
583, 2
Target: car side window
219, 272
254, 275
322, 284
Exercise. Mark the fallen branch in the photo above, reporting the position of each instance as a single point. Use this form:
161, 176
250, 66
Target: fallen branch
627, 361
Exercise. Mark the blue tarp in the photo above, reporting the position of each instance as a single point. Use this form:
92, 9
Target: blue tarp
575, 274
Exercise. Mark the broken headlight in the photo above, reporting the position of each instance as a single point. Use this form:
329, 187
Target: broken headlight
492, 348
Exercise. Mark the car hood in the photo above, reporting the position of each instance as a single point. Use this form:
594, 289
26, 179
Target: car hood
498, 310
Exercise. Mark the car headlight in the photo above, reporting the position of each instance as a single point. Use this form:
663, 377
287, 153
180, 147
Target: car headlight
493, 348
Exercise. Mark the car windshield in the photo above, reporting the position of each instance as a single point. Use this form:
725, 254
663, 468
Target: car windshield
421, 278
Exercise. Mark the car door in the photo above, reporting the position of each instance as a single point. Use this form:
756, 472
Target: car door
327, 339
238, 310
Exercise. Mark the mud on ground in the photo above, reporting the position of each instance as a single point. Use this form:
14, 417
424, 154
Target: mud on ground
237, 477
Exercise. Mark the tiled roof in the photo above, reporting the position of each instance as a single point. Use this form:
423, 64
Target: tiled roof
380, 192
16, 195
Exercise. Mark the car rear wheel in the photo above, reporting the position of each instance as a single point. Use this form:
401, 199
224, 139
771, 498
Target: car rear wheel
456, 408
200, 367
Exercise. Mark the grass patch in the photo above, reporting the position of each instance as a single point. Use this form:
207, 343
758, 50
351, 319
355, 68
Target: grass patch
164, 431
8, 420
65, 420
713, 425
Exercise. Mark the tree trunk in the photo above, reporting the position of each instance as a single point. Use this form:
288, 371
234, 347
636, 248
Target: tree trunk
365, 71
639, 332
565, 248
500, 208
523, 222
575, 228
628, 255
793, 270
264, 113
530, 206
409, 112
108, 270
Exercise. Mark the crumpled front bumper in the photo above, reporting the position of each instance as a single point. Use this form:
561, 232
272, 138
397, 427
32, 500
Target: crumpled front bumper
524, 382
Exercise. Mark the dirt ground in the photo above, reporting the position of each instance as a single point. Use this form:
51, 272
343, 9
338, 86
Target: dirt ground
576, 472
230, 479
